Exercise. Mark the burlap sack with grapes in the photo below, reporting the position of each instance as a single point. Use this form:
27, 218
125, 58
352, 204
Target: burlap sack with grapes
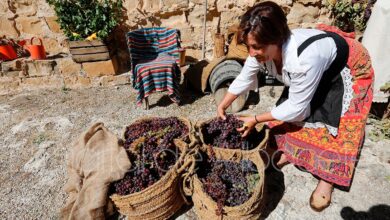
148, 193
223, 134
214, 198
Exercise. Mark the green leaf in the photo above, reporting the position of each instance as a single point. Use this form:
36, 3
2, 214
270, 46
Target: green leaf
87, 16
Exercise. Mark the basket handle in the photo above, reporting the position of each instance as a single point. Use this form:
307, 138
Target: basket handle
193, 138
189, 162
187, 187
186, 164
40, 40
187, 183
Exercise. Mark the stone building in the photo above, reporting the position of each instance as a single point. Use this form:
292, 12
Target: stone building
23, 19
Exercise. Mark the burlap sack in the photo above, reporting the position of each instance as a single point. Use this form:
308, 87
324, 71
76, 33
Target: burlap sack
206, 207
199, 74
237, 51
96, 160
260, 129
165, 197
219, 45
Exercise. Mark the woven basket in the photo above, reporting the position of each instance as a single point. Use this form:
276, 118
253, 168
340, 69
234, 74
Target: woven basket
260, 129
206, 207
163, 198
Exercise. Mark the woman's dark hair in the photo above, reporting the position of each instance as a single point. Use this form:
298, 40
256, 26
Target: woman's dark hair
267, 22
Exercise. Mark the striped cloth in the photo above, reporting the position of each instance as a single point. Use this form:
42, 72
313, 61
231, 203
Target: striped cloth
154, 54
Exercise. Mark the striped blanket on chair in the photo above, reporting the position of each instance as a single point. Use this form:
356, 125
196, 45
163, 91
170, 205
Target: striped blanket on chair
154, 61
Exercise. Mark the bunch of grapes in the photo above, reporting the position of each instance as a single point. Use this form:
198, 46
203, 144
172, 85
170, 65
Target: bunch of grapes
151, 150
149, 127
224, 134
368, 10
227, 182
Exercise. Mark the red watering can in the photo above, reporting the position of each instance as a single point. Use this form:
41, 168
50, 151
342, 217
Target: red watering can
7, 52
37, 51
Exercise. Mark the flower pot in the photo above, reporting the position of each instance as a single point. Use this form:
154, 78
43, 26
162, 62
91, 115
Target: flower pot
37, 52
7, 52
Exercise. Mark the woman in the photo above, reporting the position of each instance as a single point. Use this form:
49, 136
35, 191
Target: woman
319, 121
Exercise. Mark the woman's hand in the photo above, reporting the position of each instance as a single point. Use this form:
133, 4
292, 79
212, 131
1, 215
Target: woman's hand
249, 124
221, 112
251, 121
226, 102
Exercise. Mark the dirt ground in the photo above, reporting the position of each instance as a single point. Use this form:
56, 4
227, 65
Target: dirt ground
38, 128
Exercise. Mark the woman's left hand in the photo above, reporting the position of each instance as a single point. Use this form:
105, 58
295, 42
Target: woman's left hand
249, 124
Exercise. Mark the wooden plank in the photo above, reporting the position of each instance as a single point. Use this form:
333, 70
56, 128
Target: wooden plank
91, 57
89, 50
86, 43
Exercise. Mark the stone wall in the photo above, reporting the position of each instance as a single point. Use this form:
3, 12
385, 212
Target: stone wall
187, 15
26, 74
23, 19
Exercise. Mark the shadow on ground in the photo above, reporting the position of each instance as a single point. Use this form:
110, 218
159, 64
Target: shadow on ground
187, 210
376, 212
273, 191
188, 95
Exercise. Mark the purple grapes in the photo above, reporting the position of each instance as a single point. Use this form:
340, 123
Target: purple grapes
224, 134
150, 148
227, 182
368, 10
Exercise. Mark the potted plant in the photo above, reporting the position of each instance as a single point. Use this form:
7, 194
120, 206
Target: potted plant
87, 23
351, 15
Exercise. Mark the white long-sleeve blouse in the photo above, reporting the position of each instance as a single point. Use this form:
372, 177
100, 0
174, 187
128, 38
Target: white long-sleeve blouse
302, 74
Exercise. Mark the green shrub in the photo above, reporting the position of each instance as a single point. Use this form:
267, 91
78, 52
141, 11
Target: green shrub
351, 15
82, 18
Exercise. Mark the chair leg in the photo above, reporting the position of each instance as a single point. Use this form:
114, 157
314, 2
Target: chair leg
146, 103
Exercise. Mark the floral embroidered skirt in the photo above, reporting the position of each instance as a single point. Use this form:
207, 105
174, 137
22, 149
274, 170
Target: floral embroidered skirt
333, 158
